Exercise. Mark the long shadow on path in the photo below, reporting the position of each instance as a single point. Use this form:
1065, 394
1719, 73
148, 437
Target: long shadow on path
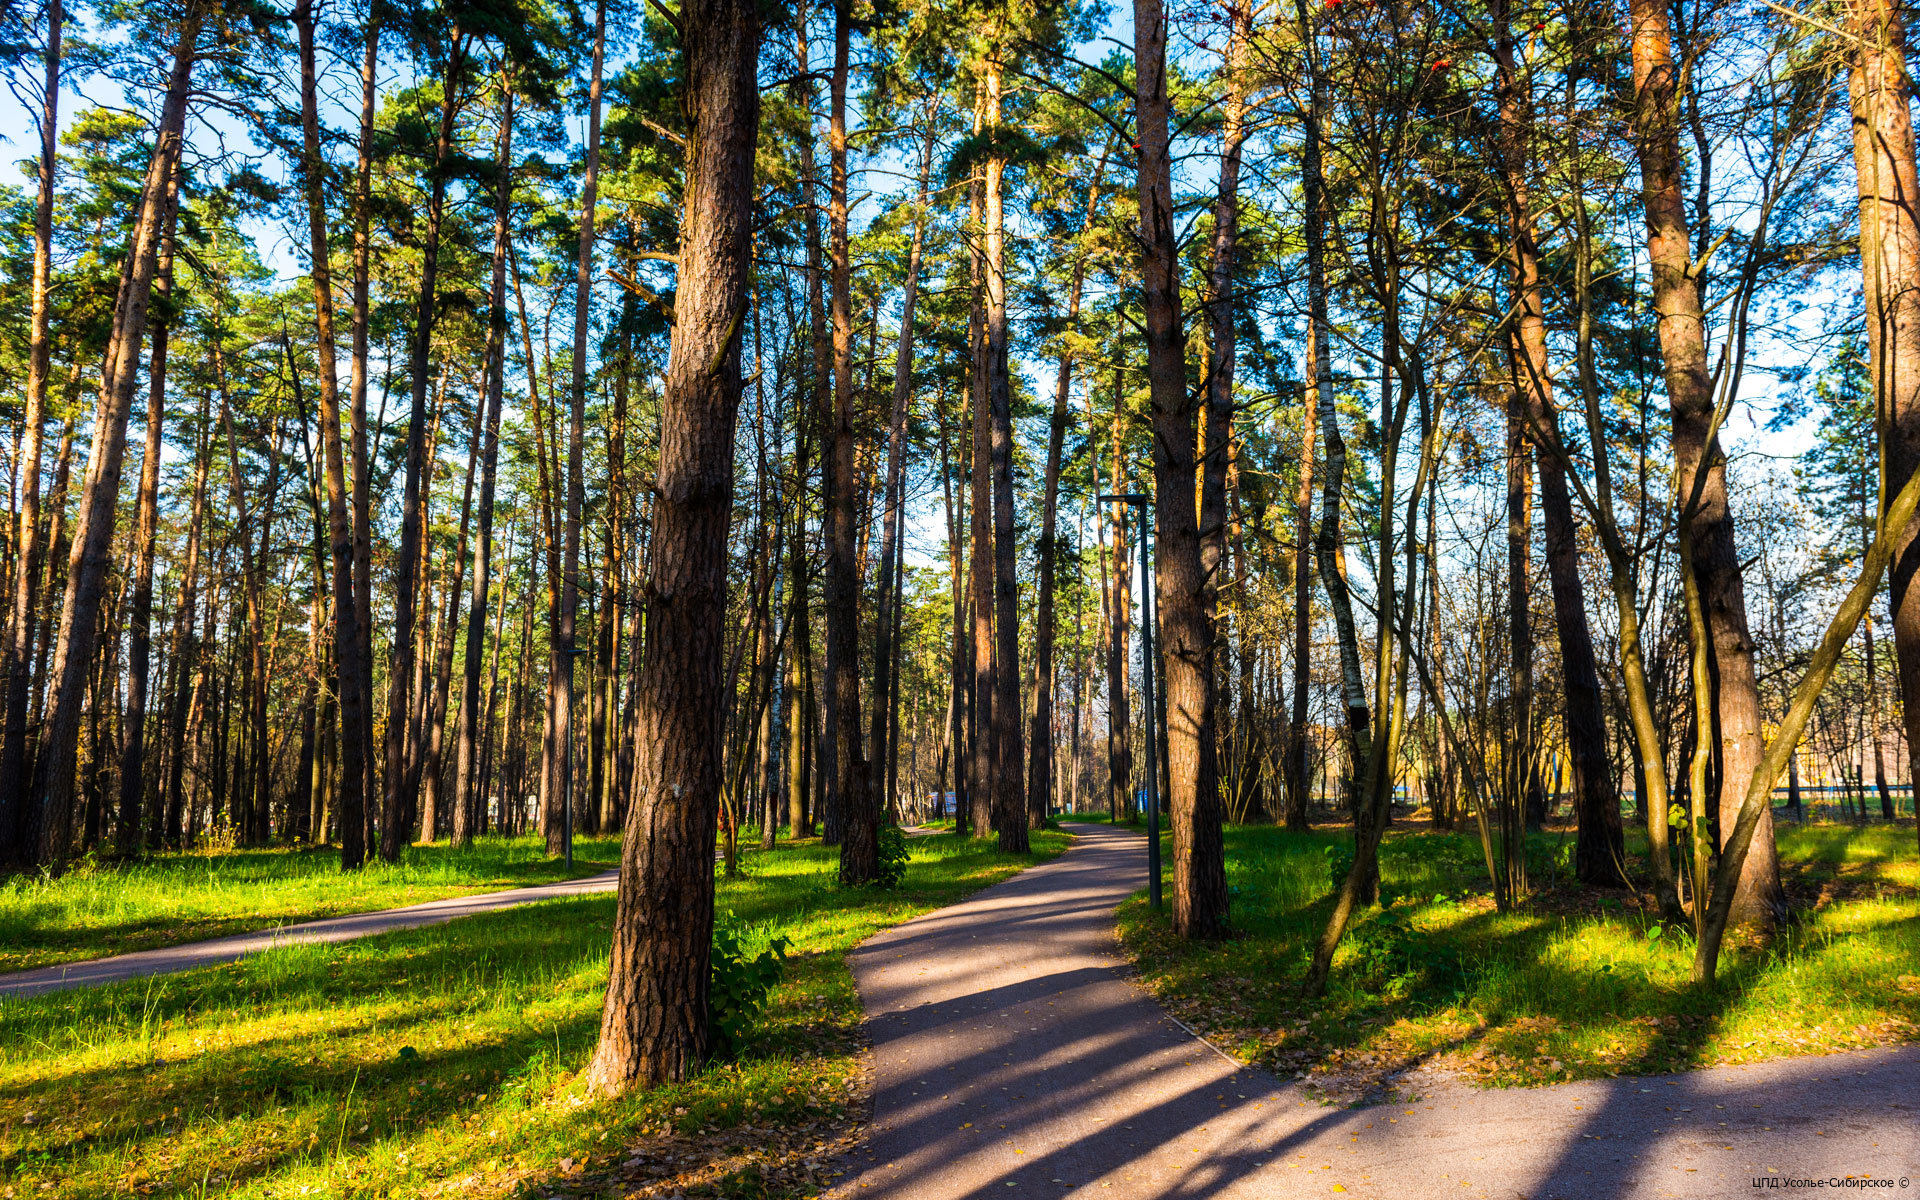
1012, 1057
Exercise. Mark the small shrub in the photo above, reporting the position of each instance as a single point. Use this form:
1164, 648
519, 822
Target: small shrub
1401, 959
893, 857
740, 987
1339, 863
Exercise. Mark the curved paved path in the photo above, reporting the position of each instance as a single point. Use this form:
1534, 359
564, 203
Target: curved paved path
167, 959
1013, 1058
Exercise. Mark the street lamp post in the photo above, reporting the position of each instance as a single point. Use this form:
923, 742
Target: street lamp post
1143, 505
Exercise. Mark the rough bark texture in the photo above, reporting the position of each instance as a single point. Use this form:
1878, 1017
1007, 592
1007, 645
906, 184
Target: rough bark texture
1009, 786
91, 552
1683, 347
849, 794
654, 1024
981, 742
1199, 867
1883, 156
1222, 352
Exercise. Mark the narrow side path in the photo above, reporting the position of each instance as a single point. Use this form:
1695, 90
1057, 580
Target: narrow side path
1012, 1057
168, 959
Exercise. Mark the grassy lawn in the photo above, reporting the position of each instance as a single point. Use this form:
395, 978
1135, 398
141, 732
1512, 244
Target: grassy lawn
443, 1061
1569, 986
99, 909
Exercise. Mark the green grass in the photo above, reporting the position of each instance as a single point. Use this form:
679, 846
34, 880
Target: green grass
1569, 986
100, 909
443, 1061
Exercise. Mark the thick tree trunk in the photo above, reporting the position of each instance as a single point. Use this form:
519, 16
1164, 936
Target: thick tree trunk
1217, 419
848, 794
92, 545
654, 1024
1009, 787
1699, 464
1883, 158
980, 741
1199, 867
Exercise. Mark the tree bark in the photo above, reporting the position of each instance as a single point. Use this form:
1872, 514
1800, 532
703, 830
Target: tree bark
1217, 419
16, 782
92, 544
466, 791
1699, 464
1009, 787
848, 793
354, 846
1297, 780
1199, 867
396, 803
146, 520
888, 599
654, 1024
1883, 156
980, 740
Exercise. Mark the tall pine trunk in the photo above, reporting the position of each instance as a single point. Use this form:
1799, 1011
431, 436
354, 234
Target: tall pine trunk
1699, 464
92, 544
146, 520
1883, 157
16, 784
1186, 636
467, 799
654, 1023
848, 794
396, 803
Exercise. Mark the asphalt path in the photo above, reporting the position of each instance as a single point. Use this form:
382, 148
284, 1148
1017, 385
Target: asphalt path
1013, 1057
168, 959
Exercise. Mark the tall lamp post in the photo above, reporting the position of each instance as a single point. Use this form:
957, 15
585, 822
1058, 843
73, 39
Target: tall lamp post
1143, 505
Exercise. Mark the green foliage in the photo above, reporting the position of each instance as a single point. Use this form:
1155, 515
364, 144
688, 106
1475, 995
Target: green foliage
740, 987
1568, 984
893, 857
1401, 959
289, 1070
101, 907
1339, 856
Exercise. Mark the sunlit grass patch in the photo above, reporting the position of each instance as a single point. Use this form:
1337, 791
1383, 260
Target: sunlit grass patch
439, 1061
1533, 995
100, 909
